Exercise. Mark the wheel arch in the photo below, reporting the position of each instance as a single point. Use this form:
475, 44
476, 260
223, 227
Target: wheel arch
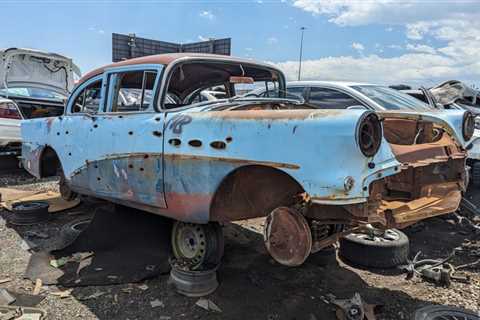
253, 191
48, 162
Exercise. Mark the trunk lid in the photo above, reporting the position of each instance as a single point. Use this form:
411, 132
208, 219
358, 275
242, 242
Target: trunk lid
26, 68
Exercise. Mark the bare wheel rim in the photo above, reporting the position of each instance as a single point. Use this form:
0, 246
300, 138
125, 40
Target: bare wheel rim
388, 235
189, 242
29, 206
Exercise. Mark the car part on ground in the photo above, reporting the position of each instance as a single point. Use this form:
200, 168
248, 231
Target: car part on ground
29, 212
438, 271
354, 309
375, 248
193, 283
72, 230
445, 313
198, 246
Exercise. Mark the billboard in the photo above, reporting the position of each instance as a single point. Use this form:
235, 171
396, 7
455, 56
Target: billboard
130, 46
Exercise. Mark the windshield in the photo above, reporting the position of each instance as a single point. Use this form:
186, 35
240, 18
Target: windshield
32, 93
391, 99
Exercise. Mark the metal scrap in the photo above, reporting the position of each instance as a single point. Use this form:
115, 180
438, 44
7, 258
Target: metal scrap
439, 271
6, 298
354, 309
208, 305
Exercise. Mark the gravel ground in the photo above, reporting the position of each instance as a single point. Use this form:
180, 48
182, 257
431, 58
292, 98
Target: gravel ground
252, 285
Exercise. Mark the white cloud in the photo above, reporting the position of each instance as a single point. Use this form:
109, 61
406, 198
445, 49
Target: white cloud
272, 40
249, 49
96, 30
358, 46
388, 12
202, 38
444, 39
420, 48
207, 15
395, 46
415, 68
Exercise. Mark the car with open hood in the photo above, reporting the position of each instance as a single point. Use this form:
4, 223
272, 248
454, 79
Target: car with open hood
33, 84
314, 174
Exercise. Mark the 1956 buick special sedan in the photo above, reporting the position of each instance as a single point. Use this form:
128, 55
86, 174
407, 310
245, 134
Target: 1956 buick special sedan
132, 134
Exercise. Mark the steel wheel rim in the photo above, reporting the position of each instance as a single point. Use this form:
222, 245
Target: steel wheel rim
189, 242
29, 206
388, 235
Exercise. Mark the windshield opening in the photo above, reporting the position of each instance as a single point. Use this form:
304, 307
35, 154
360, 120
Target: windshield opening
391, 99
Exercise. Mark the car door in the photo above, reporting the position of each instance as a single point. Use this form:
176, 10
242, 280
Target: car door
329, 98
70, 133
126, 139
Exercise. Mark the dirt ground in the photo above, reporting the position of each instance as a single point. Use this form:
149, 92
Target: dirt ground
252, 285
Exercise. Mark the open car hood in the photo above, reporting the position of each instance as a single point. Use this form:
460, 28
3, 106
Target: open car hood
26, 68
455, 91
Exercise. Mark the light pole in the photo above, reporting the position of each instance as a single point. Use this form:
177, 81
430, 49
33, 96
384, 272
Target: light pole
301, 52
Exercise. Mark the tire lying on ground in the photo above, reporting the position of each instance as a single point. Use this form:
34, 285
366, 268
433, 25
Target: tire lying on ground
72, 230
29, 212
444, 313
383, 249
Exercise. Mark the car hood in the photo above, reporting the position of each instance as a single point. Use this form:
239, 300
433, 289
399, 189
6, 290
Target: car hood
452, 91
24, 68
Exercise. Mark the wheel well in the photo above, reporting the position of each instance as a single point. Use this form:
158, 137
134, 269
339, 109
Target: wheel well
253, 191
49, 163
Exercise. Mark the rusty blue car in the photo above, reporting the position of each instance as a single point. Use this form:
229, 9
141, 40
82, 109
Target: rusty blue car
136, 134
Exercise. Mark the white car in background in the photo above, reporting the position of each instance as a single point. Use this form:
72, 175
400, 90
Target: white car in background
33, 84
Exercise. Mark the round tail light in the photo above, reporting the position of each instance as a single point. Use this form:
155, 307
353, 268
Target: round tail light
369, 134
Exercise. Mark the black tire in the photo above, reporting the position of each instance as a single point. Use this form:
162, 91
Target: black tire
444, 313
72, 230
29, 212
377, 254
199, 254
475, 174
65, 191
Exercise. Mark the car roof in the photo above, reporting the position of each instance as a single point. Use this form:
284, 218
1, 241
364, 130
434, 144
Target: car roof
330, 83
167, 59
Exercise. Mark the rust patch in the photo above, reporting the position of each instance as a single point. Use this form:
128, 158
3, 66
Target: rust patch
235, 199
299, 114
287, 236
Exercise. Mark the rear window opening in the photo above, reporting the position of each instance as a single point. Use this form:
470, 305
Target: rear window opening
191, 78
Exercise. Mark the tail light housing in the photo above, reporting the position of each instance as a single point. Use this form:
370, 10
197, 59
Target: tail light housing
9, 111
369, 134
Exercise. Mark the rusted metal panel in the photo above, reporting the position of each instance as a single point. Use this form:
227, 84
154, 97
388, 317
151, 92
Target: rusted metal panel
287, 236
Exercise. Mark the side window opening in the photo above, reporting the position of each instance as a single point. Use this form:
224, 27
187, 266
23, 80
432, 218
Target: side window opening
325, 98
88, 100
133, 90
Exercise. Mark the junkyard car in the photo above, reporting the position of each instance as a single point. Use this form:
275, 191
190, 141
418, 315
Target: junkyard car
33, 84
308, 171
455, 94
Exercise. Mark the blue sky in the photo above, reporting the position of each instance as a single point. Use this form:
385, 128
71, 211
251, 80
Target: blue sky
340, 34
